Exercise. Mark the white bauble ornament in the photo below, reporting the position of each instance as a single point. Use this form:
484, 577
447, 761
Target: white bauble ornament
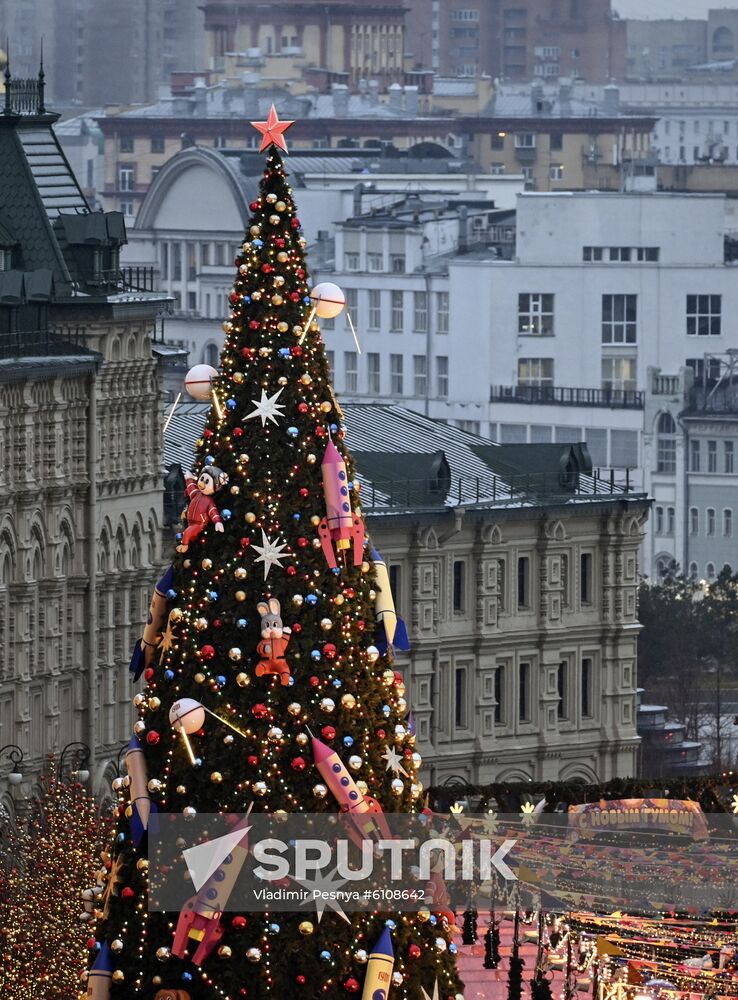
199, 382
328, 300
187, 714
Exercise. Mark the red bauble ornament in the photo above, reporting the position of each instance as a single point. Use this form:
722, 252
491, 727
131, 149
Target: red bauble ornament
233, 297
351, 985
303, 408
252, 760
300, 272
148, 673
295, 223
91, 942
329, 733
381, 734
127, 893
207, 652
267, 268
329, 651
296, 351
217, 623
207, 433
291, 571
238, 432
279, 242
297, 627
300, 980
152, 738
350, 592
314, 681
413, 951
254, 324
247, 352
255, 205
298, 764
304, 491
245, 542
239, 922
260, 711
295, 296
361, 624
302, 541
320, 431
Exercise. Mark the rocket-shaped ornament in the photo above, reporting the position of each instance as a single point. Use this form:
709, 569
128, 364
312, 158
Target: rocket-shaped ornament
200, 918
391, 631
379, 968
364, 810
143, 651
341, 524
141, 804
100, 975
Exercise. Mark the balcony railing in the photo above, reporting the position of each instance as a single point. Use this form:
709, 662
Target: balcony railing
558, 395
130, 279
53, 342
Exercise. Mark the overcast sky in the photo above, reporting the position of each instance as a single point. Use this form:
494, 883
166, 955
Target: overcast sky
669, 8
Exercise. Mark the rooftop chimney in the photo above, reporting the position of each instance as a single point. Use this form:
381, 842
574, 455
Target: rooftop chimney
340, 94
374, 91
611, 100
536, 98
411, 100
395, 96
463, 244
565, 98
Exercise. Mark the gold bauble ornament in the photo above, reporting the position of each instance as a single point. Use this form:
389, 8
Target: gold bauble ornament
207, 564
199, 678
255, 230
283, 257
256, 296
274, 219
243, 680
305, 927
181, 790
162, 954
240, 595
294, 708
301, 739
271, 198
216, 777
311, 460
315, 520
238, 377
348, 701
280, 206
249, 517
142, 864
240, 573
154, 703
118, 976
277, 300
282, 326
320, 791
224, 951
306, 378
388, 677
201, 624
259, 788
326, 406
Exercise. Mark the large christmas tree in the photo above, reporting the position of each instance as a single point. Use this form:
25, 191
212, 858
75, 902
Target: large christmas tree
268, 621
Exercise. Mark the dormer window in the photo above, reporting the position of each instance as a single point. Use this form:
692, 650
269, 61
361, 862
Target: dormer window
5, 259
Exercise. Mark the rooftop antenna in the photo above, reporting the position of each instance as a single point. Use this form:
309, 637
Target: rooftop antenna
6, 109
40, 109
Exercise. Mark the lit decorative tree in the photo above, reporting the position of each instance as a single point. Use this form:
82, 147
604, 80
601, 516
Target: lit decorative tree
268, 621
54, 851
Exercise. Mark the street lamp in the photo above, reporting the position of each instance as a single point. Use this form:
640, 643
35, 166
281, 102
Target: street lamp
15, 754
80, 757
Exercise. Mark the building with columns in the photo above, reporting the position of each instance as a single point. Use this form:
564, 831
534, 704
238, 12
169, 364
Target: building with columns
516, 572
79, 394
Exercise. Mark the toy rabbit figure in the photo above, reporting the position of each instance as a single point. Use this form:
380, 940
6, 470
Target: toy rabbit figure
202, 507
274, 641
172, 995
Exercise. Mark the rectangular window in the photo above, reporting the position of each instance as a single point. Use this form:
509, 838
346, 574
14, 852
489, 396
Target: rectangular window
670, 520
442, 377
585, 578
535, 371
501, 584
619, 374
535, 314
710, 521
125, 178
619, 253
176, 261
694, 521
659, 521
523, 582
375, 262
420, 374
420, 312
351, 261
619, 313
649, 254
460, 713
523, 692
157, 144
351, 370
397, 263
352, 306
396, 374
694, 455
525, 140
586, 705
728, 522
561, 686
727, 456
459, 586
397, 314
394, 573
126, 144
375, 309
499, 693
373, 373
704, 315
331, 355
556, 172
712, 456
441, 312
592, 254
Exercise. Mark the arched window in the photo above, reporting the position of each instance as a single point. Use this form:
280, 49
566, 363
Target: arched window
694, 521
726, 568
710, 571
659, 520
665, 443
722, 42
211, 355
693, 571
662, 566
710, 521
727, 522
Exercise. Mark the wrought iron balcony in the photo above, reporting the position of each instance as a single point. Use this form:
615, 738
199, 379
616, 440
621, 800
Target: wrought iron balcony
558, 395
52, 342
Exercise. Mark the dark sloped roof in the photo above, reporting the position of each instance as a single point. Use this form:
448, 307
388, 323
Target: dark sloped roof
54, 179
6, 237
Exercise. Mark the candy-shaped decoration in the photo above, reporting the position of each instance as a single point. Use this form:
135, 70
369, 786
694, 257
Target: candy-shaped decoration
143, 651
100, 975
187, 715
274, 639
341, 524
364, 810
201, 916
202, 508
199, 382
379, 968
391, 631
141, 805
328, 299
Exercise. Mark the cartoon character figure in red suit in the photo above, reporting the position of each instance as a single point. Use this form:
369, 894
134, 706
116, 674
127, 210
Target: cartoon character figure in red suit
275, 638
202, 509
